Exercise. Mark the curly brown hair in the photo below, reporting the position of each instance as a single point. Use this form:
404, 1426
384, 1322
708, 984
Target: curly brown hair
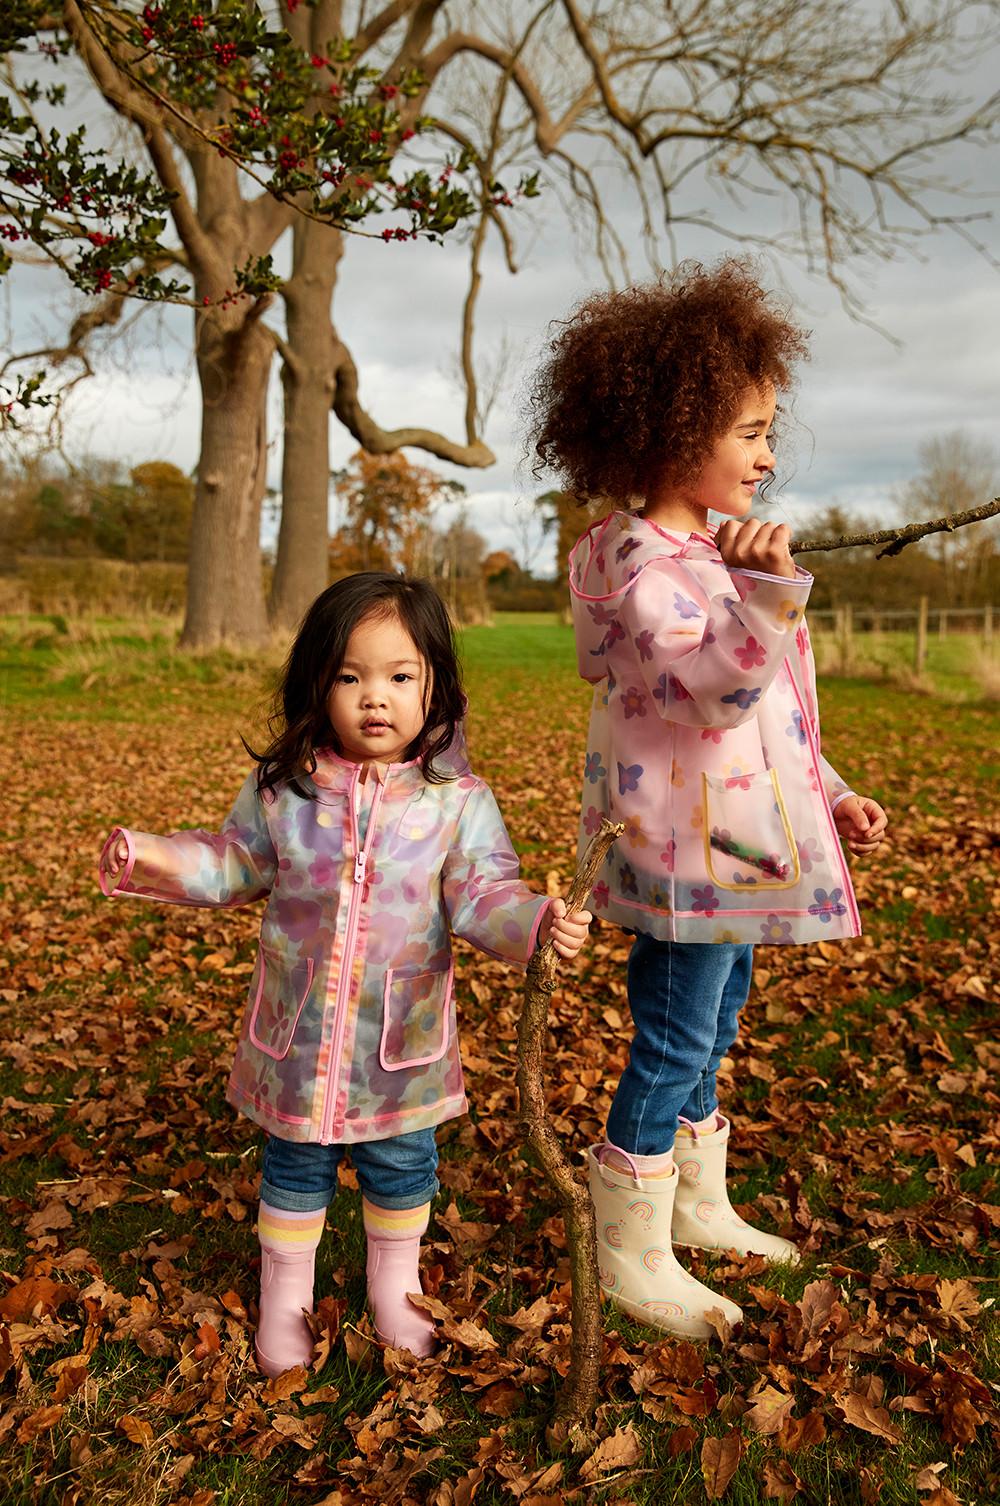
640, 385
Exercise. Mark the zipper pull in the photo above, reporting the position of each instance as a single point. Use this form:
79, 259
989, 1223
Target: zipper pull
360, 860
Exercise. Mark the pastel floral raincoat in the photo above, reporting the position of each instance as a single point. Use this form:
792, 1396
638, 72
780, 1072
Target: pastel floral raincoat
704, 741
349, 1032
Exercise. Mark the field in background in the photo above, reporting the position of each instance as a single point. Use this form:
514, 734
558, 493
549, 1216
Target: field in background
863, 1090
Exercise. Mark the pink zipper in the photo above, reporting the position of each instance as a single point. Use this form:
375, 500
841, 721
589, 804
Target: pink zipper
845, 875
350, 941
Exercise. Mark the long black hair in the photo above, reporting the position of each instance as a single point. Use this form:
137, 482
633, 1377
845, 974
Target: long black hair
299, 723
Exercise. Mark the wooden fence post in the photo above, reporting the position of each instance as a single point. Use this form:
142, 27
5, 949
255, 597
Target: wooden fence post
845, 636
942, 623
920, 655
988, 624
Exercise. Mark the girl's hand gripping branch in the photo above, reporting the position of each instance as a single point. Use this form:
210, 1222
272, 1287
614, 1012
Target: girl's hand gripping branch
757, 546
861, 823
567, 933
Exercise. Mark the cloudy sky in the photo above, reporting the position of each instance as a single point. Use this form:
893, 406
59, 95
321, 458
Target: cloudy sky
865, 405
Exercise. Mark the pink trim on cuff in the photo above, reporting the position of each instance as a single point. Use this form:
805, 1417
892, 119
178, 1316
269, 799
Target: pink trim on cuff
536, 927
800, 578
118, 880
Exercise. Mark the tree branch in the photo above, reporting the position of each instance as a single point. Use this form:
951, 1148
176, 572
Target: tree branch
895, 540
378, 441
578, 1397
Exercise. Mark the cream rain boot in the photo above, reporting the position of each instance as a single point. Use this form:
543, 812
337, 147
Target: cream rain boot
703, 1215
637, 1266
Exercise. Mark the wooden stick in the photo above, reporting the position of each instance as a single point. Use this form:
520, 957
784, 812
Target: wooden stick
578, 1395
896, 539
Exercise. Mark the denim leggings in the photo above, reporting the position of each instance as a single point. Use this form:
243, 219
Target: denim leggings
394, 1173
685, 999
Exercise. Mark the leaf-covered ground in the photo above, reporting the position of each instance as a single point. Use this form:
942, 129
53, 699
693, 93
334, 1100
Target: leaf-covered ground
863, 1089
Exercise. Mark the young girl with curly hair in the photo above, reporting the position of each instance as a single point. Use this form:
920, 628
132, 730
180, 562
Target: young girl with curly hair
372, 841
704, 736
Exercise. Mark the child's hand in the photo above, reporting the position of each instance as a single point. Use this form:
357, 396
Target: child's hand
861, 823
567, 933
753, 545
114, 857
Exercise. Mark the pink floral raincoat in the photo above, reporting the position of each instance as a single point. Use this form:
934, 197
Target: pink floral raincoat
349, 1032
704, 741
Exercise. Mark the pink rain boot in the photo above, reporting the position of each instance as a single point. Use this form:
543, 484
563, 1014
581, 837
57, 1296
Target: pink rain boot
288, 1244
393, 1271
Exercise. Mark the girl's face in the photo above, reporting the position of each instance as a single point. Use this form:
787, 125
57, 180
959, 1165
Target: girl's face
740, 460
377, 704
731, 474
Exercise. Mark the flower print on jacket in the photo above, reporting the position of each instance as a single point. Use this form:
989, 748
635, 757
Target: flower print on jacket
628, 778
796, 727
689, 625
593, 769
744, 697
809, 854
633, 833
827, 905
704, 901
624, 550
626, 877
592, 821
633, 702
615, 632
669, 685
775, 930
751, 655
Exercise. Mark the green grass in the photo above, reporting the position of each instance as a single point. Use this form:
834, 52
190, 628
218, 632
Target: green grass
957, 665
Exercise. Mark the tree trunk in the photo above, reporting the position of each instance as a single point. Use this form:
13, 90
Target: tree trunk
307, 379
225, 599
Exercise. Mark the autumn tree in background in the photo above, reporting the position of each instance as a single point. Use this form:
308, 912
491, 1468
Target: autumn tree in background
387, 511
835, 116
100, 509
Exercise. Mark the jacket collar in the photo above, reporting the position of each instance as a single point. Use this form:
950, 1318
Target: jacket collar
338, 774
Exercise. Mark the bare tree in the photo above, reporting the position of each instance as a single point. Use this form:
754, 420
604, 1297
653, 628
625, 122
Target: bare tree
956, 472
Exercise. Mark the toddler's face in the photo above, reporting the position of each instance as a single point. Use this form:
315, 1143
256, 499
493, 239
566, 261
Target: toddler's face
377, 703
741, 459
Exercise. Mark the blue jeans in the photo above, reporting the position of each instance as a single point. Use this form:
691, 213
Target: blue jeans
685, 998
394, 1173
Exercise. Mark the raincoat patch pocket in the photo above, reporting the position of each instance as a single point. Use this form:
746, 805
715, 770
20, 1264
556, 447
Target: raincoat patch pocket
748, 838
415, 1018
281, 993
